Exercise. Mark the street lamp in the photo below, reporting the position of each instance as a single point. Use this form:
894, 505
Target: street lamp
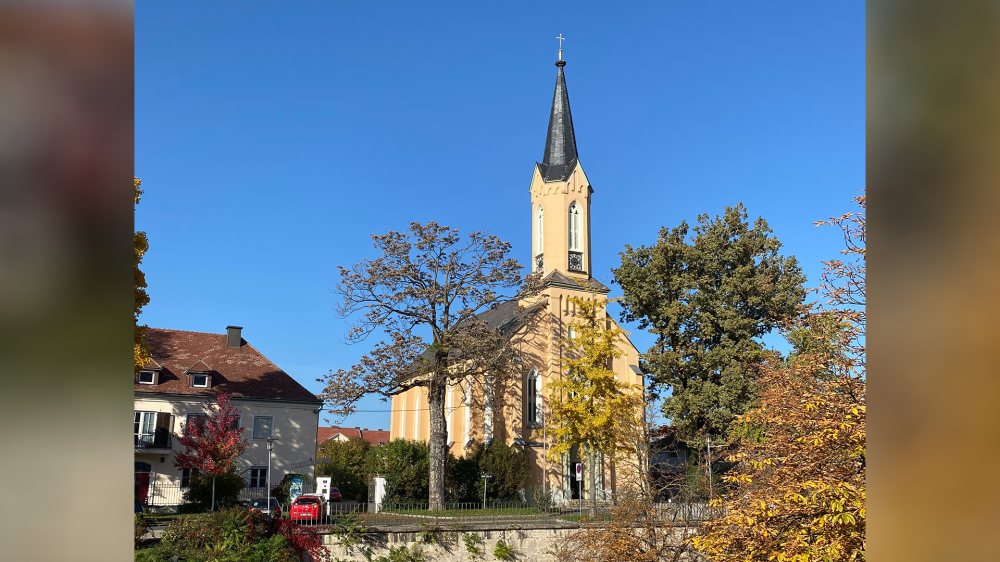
270, 446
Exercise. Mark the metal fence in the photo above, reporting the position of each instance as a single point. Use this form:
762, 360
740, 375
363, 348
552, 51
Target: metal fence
415, 515
168, 494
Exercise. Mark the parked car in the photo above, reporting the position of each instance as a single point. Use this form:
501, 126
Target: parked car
335, 495
261, 505
307, 507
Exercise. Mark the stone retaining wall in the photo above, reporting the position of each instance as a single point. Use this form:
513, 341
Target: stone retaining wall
528, 545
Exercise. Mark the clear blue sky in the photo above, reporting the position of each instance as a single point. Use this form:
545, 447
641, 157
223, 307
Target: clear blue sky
273, 138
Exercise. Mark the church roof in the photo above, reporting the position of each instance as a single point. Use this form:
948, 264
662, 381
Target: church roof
560, 279
560, 143
509, 316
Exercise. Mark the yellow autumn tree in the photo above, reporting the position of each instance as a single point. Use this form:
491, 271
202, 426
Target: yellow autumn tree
797, 491
590, 407
141, 297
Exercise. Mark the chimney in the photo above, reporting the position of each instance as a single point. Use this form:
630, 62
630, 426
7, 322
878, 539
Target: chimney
234, 336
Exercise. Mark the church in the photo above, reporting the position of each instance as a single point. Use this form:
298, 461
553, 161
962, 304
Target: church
560, 197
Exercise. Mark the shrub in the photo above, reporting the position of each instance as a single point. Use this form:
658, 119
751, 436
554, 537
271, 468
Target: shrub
504, 551
235, 535
473, 544
158, 553
272, 549
141, 528
508, 466
403, 554
405, 467
460, 479
227, 492
344, 463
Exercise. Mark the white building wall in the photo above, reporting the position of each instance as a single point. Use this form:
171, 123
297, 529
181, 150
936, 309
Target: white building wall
294, 427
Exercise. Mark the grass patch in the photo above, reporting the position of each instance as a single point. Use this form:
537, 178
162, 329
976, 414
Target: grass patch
465, 512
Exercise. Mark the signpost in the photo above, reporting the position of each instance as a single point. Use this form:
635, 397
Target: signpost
579, 478
485, 477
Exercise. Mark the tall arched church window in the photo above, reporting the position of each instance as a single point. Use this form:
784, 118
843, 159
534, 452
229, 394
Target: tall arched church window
539, 237
574, 226
575, 238
534, 399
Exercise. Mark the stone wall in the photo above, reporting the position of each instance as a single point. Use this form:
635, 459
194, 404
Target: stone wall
527, 545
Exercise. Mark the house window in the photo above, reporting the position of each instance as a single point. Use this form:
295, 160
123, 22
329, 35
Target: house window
262, 426
147, 377
200, 380
534, 394
258, 477
151, 430
187, 475
574, 226
195, 419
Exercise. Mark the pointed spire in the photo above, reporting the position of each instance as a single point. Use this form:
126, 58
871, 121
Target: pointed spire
560, 143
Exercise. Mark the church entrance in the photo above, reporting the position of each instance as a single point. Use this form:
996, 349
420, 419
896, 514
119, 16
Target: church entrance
571, 484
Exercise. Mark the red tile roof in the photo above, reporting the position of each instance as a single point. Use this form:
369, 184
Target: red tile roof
241, 371
376, 436
373, 436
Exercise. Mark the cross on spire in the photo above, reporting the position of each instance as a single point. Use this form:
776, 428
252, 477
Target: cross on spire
561, 39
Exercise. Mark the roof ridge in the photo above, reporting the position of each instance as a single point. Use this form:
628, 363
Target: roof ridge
187, 331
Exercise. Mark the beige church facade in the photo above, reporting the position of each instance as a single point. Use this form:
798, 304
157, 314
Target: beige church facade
517, 412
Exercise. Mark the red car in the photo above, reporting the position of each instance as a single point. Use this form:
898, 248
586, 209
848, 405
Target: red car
335, 495
306, 508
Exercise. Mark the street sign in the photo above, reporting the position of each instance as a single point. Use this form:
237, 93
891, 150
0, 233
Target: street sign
579, 471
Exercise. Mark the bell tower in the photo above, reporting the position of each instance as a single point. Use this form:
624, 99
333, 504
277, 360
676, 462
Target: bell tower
560, 196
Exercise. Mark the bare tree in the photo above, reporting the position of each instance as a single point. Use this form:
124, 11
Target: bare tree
426, 293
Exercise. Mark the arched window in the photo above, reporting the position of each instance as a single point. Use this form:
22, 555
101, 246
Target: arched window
533, 388
574, 227
539, 231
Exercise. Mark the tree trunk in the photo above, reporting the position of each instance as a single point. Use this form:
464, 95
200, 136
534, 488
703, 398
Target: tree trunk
213, 492
438, 442
614, 481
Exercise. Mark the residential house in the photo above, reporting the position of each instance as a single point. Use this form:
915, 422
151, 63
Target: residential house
178, 385
372, 436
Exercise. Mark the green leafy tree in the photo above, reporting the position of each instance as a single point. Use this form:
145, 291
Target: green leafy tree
141, 297
708, 299
798, 490
344, 463
404, 465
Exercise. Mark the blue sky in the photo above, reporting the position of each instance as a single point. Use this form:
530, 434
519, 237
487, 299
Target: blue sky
273, 138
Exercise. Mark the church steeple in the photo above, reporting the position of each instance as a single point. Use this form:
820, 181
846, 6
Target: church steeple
560, 143
560, 198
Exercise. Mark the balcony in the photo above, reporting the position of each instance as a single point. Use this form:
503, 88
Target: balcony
152, 441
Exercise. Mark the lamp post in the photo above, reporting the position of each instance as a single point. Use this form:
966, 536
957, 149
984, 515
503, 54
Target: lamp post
270, 446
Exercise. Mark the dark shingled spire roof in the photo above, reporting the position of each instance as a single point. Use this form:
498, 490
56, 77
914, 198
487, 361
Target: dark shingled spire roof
560, 144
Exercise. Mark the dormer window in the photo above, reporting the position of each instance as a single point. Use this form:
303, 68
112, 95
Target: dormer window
147, 377
201, 380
